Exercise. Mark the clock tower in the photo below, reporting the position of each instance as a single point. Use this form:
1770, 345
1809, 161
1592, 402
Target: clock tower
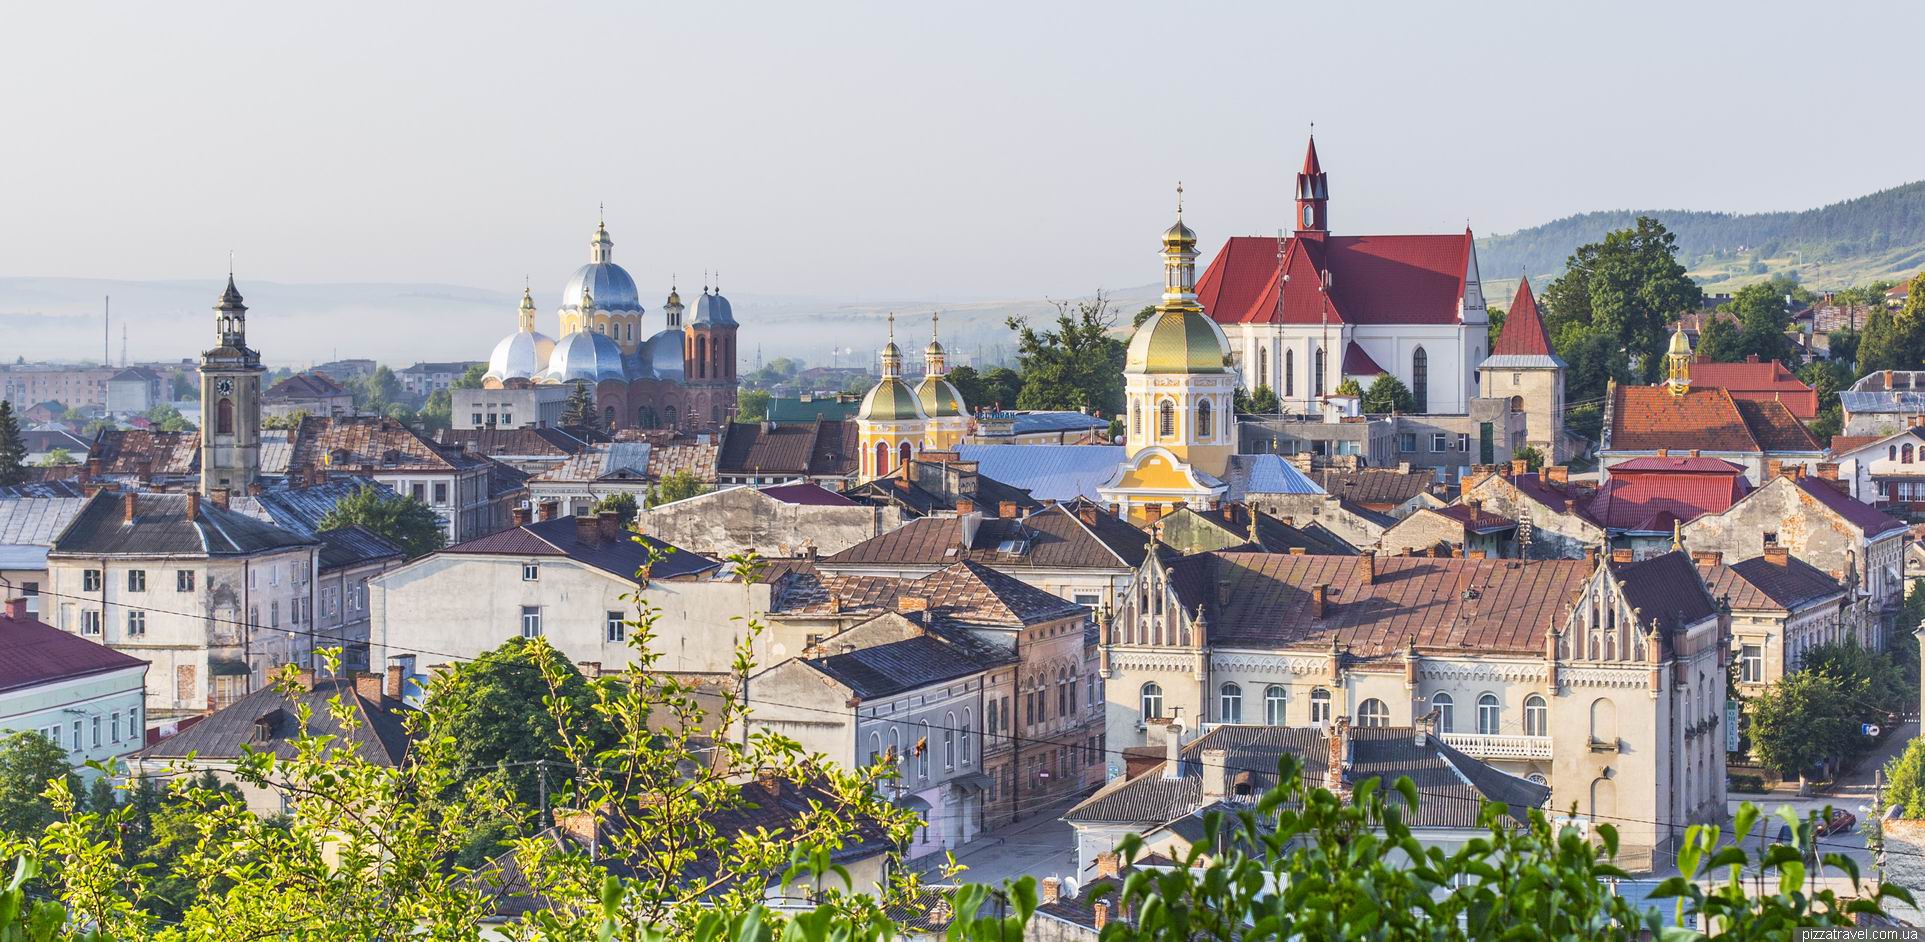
230, 401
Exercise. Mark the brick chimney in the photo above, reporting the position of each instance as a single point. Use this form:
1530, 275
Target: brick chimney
588, 530
368, 686
546, 509
219, 496
965, 506
1152, 513
1827, 470
1216, 774
1477, 554
1319, 599
1006, 510
1590, 555
611, 525
193, 505
1558, 474
1520, 466
1773, 468
1052, 889
1100, 914
127, 510
396, 684
911, 603
17, 609
520, 516
583, 826
1621, 555
1778, 554
1707, 557
1338, 741
1087, 514
1366, 569
1108, 864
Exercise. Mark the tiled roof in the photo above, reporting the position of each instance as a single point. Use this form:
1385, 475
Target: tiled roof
354, 546
1417, 279
1558, 498
1842, 445
970, 593
622, 555
1649, 418
616, 461
1357, 362
161, 528
1775, 427
807, 494
1857, 513
1666, 589
1272, 535
1051, 538
1379, 486
1523, 333
1451, 786
121, 451
1759, 583
1749, 376
304, 386
268, 720
369, 444
1677, 488
1445, 604
515, 442
887, 669
1479, 521
33, 653
800, 589
814, 448
696, 457
1049, 472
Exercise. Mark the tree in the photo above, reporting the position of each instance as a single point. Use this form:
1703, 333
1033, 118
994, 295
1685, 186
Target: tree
579, 410
56, 458
13, 447
1259, 401
1875, 684
1533, 459
1495, 327
183, 386
1720, 341
471, 379
92, 429
1350, 387
438, 413
28, 762
494, 710
1800, 722
1148, 311
621, 502
1905, 780
969, 383
1764, 314
286, 421
1387, 394
402, 520
1842, 348
752, 405
674, 486
1078, 365
1895, 340
166, 418
1627, 288
1002, 389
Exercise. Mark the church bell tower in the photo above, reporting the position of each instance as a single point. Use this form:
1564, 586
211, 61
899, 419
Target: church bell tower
230, 401
1313, 194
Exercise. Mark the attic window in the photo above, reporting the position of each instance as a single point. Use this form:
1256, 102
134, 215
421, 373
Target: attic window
949, 553
1013, 547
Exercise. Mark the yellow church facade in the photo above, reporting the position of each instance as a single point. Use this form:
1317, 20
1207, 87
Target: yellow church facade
895, 423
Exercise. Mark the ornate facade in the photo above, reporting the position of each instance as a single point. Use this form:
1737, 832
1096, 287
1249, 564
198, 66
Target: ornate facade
682, 376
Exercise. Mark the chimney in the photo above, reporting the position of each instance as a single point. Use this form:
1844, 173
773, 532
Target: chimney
254, 488
546, 509
368, 686
1152, 513
1216, 774
1778, 554
17, 609
1773, 468
1338, 740
1558, 474
1622, 555
580, 825
911, 603
304, 678
1367, 569
1707, 557
1108, 864
1087, 514
1828, 471
1520, 466
1100, 914
1477, 554
193, 505
1173, 759
1694, 453
395, 687
1052, 889
965, 506
588, 530
1006, 510
219, 495
1319, 599
1116, 510
1299, 551
1590, 555
1664, 452
520, 516
127, 507
611, 525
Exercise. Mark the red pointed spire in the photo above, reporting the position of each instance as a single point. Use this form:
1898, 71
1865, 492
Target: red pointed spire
1523, 333
1313, 194
1310, 166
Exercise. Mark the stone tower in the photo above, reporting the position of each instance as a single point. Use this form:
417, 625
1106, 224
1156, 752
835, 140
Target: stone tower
1524, 369
230, 401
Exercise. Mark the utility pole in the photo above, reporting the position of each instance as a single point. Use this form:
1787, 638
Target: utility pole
541, 770
107, 331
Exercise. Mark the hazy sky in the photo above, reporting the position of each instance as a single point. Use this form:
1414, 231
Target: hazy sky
875, 151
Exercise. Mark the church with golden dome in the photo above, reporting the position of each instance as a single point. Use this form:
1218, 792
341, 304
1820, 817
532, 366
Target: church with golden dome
895, 423
681, 376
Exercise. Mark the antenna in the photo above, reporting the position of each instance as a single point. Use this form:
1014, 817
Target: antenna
123, 346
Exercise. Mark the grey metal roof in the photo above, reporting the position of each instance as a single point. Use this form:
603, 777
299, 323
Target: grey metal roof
1265, 474
1907, 402
267, 721
299, 509
160, 527
1516, 361
36, 521
887, 669
354, 546
1048, 472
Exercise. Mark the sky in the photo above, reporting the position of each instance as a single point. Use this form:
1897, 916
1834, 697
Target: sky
864, 152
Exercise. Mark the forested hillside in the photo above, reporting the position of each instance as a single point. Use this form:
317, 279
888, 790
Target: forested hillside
1851, 242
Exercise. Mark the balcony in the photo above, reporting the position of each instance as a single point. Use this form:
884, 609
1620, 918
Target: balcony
1481, 746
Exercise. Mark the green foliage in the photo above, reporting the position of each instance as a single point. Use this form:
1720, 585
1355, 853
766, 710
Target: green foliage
404, 521
1764, 315
1259, 401
1349, 387
438, 413
1804, 719
166, 418
493, 708
13, 447
1387, 394
1621, 292
28, 763
375, 391
997, 388
621, 502
1905, 780
674, 486
470, 379
1148, 311
1078, 365
1593, 358
1533, 458
579, 411
752, 405
1874, 683
1720, 341
93, 428
1842, 346
1495, 329
287, 421
1895, 340
56, 458
184, 386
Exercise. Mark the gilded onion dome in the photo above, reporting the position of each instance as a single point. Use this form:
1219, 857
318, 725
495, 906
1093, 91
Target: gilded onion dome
523, 354
890, 399
939, 398
1177, 342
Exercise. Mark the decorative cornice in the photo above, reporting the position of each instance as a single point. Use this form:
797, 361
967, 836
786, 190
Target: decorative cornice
1631, 675
1508, 671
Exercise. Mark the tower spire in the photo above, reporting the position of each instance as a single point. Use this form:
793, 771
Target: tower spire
1313, 191
891, 354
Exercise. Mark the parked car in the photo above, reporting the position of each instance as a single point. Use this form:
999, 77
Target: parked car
1840, 822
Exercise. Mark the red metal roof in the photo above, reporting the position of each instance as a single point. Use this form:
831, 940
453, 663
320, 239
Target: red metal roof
1523, 333
1310, 165
1647, 494
1413, 279
32, 653
1758, 380
1356, 362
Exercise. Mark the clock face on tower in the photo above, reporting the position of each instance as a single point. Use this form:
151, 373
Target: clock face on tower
226, 386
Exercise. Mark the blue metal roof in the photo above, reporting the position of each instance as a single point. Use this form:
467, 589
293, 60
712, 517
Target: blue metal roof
1048, 472
1265, 474
1028, 423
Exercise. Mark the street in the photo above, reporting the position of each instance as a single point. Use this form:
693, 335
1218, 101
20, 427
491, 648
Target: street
1040, 845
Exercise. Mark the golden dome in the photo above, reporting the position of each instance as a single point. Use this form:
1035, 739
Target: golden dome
890, 401
1680, 344
1179, 234
939, 397
1178, 341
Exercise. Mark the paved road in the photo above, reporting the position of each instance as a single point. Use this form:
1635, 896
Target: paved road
1040, 845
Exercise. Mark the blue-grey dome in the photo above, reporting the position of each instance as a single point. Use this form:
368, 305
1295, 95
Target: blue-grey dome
608, 282
520, 355
664, 354
710, 309
584, 355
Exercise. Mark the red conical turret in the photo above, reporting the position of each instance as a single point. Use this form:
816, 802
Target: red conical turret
1523, 333
1313, 193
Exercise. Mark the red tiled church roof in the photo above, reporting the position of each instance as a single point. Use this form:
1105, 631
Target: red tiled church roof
1523, 333
1649, 418
1357, 362
1413, 279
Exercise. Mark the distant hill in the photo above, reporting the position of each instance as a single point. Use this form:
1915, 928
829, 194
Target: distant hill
1851, 242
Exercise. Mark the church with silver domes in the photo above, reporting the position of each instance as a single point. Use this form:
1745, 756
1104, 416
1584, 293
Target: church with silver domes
680, 375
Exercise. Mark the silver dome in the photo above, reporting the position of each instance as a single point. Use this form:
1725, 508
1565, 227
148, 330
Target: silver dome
520, 355
664, 355
584, 355
608, 282
711, 309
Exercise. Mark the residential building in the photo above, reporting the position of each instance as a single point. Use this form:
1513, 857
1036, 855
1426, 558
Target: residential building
570, 580
1816, 521
1395, 490
28, 526
1465, 529
598, 471
1241, 527
818, 451
529, 450
774, 521
937, 484
42, 442
1230, 767
86, 698
1882, 402
456, 485
1758, 381
1781, 607
30, 384
1553, 516
1604, 681
510, 407
1646, 500
213, 598
426, 377
269, 721
134, 390
1886, 471
348, 370
1038, 427
306, 394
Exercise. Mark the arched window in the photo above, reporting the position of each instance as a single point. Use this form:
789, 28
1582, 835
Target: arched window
1289, 373
608, 418
1166, 419
645, 417
1263, 367
895, 747
1891, 452
1420, 381
882, 459
1905, 454
1319, 707
701, 356
967, 755
1489, 715
922, 750
1203, 424
669, 416
1230, 704
1152, 701
1373, 712
1537, 716
902, 454
949, 740
1446, 708
1319, 388
875, 747
1273, 701
224, 417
